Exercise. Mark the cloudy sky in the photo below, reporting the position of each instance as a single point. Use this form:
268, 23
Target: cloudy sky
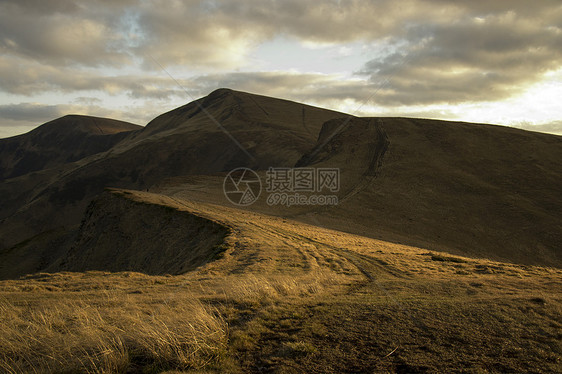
480, 60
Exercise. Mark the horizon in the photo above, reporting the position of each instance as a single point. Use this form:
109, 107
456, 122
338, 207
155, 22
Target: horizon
132, 60
279, 98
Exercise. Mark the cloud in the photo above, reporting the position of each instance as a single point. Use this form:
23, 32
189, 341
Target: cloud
554, 127
84, 100
486, 58
29, 112
209, 34
23, 77
434, 52
294, 85
27, 78
35, 114
442, 51
200, 34
63, 32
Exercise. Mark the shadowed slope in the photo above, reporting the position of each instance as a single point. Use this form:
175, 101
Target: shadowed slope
124, 233
481, 190
63, 140
184, 141
272, 131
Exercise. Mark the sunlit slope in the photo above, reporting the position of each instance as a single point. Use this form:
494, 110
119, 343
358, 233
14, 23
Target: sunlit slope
245, 242
279, 296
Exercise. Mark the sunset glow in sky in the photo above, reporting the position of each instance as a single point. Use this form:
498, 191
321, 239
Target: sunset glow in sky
478, 61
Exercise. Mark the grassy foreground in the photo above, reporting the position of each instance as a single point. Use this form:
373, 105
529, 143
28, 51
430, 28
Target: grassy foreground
288, 298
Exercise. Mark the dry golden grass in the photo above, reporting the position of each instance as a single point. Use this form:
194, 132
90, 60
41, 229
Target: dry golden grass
288, 297
100, 322
108, 333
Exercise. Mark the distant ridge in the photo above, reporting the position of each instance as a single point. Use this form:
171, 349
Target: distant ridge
66, 139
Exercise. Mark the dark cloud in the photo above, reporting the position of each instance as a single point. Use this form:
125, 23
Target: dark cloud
30, 78
298, 86
496, 48
63, 32
29, 113
219, 33
469, 60
84, 100
22, 77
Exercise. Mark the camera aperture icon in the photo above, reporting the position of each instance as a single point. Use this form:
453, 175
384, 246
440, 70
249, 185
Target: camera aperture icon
242, 186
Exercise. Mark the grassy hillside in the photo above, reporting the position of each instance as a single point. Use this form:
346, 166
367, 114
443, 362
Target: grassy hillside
288, 297
479, 190
471, 189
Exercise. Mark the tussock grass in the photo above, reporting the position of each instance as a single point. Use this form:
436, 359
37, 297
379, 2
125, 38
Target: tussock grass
444, 258
108, 336
263, 290
101, 331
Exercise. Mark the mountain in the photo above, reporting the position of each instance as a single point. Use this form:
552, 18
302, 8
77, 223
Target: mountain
269, 294
63, 140
469, 189
194, 139
226, 129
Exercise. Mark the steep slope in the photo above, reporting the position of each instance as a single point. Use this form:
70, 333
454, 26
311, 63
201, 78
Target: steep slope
480, 190
63, 140
205, 134
121, 232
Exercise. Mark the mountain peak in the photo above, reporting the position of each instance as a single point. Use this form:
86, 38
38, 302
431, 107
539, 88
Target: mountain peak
222, 91
225, 105
77, 123
220, 94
